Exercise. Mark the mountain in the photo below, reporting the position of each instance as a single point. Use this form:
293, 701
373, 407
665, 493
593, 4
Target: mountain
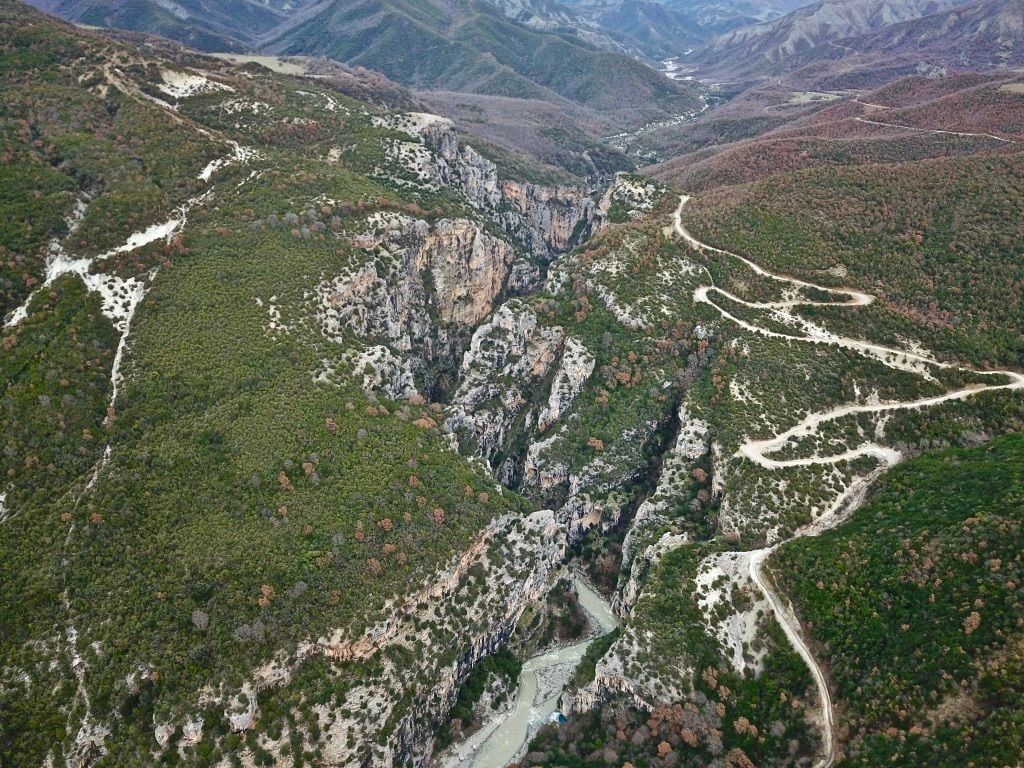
468, 45
653, 30
334, 436
659, 30
184, 241
550, 16
774, 45
973, 35
465, 45
210, 26
709, 17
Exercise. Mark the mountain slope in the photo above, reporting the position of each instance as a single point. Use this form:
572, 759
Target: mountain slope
183, 386
464, 45
307, 407
208, 26
976, 34
773, 45
469, 45
914, 605
658, 29
912, 118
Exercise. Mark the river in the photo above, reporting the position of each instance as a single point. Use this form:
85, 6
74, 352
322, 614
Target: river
541, 683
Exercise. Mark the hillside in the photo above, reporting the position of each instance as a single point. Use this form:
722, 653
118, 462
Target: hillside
654, 30
206, 26
172, 398
346, 424
467, 45
778, 44
972, 35
909, 119
439, 46
915, 606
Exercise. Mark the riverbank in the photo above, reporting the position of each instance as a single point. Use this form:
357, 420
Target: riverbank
543, 679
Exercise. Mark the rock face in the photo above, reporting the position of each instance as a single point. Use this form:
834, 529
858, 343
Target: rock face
634, 195
576, 366
423, 288
614, 675
547, 221
639, 565
515, 557
467, 269
690, 445
507, 356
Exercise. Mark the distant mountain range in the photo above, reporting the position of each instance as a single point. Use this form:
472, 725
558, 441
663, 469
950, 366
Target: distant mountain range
465, 45
208, 25
977, 34
468, 45
592, 60
981, 33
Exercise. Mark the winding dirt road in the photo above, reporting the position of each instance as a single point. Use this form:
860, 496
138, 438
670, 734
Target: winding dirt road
939, 131
759, 451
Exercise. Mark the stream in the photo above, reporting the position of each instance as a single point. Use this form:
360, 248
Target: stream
541, 682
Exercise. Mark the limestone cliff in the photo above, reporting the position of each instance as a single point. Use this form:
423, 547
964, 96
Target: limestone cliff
422, 287
546, 221
508, 357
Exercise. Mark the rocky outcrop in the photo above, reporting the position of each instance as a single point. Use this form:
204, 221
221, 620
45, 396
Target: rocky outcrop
423, 287
378, 369
547, 221
542, 470
388, 294
603, 481
735, 608
575, 368
524, 278
631, 195
639, 565
518, 559
618, 676
459, 617
507, 356
673, 482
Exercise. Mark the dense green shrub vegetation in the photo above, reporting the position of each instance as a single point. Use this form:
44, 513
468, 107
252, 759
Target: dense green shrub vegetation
915, 605
55, 390
761, 716
254, 501
244, 507
937, 242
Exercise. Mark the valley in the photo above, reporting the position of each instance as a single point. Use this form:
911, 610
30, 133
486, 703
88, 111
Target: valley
540, 687
440, 384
